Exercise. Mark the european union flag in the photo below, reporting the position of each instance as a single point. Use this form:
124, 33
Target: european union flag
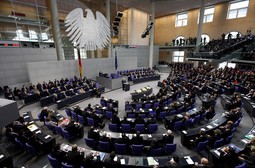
116, 61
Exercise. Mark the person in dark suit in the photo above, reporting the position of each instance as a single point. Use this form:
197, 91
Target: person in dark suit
168, 138
78, 110
109, 162
230, 159
57, 153
104, 138
93, 134
173, 163
116, 119
139, 120
123, 140
137, 140
44, 113
74, 157
151, 120
89, 161
154, 145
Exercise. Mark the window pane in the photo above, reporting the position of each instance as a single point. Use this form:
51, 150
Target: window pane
232, 14
182, 16
179, 23
238, 5
181, 53
181, 59
209, 18
242, 12
185, 22
209, 11
175, 59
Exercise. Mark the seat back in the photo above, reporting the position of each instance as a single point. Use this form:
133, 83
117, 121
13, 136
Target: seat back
67, 135
131, 115
108, 114
202, 116
178, 125
147, 106
59, 130
170, 148
30, 149
139, 127
228, 139
138, 106
187, 123
156, 104
201, 146
243, 165
196, 119
54, 162
49, 126
156, 152
74, 116
40, 118
90, 121
137, 149
66, 165
152, 128
19, 143
104, 146
172, 112
162, 115
90, 142
113, 127
125, 128
81, 120
218, 143
68, 112
120, 148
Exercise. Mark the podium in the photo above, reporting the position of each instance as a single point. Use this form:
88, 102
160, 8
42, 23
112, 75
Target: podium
126, 87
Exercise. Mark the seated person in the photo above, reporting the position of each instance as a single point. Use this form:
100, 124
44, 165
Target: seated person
151, 120
204, 163
137, 139
109, 162
123, 140
77, 110
168, 138
202, 136
98, 119
89, 161
73, 128
234, 114
249, 159
57, 153
104, 138
116, 119
209, 114
174, 162
80, 91
212, 138
230, 159
93, 134
44, 113
139, 120
74, 157
154, 145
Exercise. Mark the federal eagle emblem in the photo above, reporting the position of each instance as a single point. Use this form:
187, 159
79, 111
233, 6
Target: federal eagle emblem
88, 32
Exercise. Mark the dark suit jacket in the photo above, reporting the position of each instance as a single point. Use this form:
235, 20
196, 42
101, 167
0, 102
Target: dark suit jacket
168, 139
137, 140
74, 158
109, 163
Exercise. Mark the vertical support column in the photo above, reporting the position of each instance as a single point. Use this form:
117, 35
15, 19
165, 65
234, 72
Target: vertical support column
108, 17
56, 29
152, 34
200, 25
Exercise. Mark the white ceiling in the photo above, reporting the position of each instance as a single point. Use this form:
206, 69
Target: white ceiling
165, 7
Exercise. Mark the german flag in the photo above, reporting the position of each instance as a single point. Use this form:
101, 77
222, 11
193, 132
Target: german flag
79, 63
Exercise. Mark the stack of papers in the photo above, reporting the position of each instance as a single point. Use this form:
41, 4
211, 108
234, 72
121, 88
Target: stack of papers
122, 161
188, 160
152, 161
32, 127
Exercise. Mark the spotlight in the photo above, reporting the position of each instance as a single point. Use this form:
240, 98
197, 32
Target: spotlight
117, 19
119, 14
116, 23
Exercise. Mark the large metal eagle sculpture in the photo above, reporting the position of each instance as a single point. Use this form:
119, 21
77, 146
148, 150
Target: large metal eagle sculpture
87, 32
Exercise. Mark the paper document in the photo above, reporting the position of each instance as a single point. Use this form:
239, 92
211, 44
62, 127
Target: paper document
209, 126
122, 161
151, 161
189, 160
47, 137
